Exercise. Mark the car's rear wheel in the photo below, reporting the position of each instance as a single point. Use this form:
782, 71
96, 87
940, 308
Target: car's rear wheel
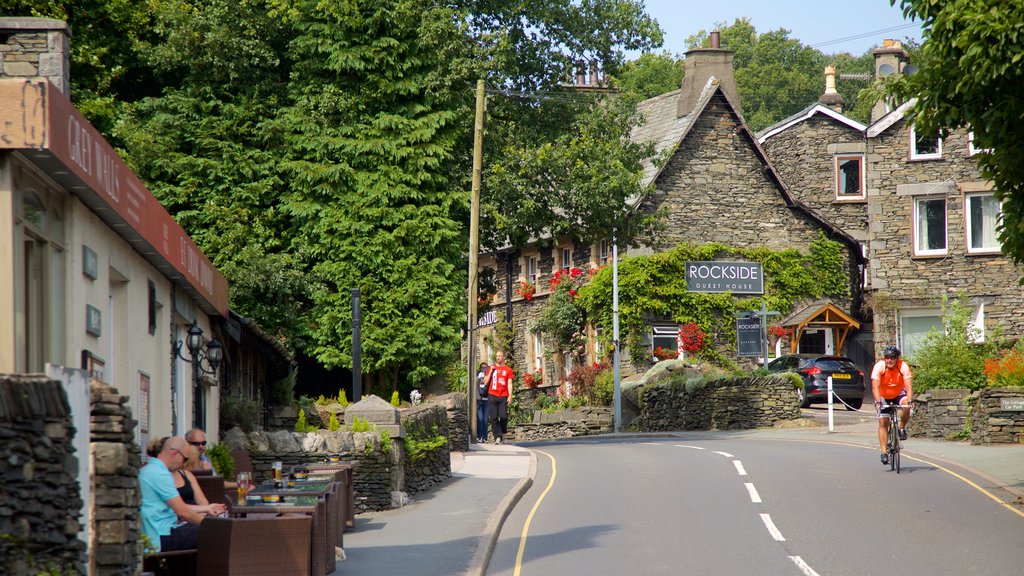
855, 404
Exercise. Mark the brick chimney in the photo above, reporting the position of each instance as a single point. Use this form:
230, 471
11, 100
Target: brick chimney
831, 98
32, 48
701, 64
890, 60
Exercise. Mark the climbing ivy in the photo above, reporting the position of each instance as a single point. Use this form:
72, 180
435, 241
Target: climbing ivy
655, 287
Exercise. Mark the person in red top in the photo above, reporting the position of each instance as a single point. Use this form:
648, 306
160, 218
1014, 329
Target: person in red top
499, 385
891, 383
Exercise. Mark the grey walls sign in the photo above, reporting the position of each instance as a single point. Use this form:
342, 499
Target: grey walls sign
735, 277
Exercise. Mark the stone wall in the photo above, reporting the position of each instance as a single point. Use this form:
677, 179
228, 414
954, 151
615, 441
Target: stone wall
804, 155
39, 494
999, 413
36, 48
904, 281
586, 421
940, 413
717, 405
426, 469
987, 416
457, 407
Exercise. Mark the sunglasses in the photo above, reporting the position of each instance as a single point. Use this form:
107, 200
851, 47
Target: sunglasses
203, 443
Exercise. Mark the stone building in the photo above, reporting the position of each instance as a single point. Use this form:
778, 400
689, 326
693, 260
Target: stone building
917, 204
718, 185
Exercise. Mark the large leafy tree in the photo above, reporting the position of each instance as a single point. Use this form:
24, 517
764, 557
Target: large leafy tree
969, 75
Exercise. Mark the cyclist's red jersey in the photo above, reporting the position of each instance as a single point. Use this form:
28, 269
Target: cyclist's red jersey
890, 380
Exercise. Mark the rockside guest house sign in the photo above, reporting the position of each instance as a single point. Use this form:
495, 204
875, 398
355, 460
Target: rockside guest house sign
735, 277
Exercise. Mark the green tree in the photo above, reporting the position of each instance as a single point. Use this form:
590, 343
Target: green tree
970, 74
650, 74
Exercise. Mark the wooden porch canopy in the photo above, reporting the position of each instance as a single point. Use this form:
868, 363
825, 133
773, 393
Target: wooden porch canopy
824, 314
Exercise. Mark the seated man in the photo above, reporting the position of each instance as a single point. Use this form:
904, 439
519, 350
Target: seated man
162, 506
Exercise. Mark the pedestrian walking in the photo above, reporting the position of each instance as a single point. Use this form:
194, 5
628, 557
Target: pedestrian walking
499, 386
481, 402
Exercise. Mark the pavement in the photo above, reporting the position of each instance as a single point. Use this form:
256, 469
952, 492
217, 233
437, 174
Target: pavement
452, 529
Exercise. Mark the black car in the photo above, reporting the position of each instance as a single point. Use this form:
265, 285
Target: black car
847, 379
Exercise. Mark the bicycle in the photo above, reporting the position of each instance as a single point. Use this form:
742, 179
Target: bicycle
892, 442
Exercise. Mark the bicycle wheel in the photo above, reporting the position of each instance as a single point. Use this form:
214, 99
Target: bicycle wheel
893, 444
896, 456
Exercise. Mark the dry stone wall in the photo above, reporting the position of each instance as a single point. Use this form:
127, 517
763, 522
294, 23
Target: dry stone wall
987, 416
717, 405
39, 494
1000, 416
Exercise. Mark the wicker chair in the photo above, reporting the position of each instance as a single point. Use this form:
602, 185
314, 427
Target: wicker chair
243, 463
176, 563
213, 488
263, 546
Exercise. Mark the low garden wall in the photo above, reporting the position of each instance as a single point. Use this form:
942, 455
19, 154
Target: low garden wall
726, 404
987, 416
382, 471
585, 421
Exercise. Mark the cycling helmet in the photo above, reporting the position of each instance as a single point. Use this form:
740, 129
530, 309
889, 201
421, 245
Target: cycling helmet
891, 352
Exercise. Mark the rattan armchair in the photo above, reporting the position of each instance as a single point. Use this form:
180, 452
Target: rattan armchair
264, 546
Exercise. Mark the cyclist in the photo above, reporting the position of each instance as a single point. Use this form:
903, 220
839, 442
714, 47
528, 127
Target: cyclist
891, 382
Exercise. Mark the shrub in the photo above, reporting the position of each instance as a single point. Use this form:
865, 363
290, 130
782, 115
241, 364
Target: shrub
235, 410
395, 401
302, 426
333, 425
1006, 370
220, 457
951, 358
604, 388
342, 399
582, 377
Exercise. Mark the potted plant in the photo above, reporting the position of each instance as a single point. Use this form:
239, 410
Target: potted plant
526, 289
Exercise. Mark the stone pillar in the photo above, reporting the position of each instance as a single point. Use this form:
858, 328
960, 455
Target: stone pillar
377, 412
32, 48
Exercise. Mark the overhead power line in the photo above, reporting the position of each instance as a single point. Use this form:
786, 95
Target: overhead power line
865, 35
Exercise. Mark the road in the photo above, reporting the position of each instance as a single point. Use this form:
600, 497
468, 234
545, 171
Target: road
719, 503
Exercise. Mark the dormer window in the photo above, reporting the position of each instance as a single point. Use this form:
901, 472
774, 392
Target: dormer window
849, 170
925, 146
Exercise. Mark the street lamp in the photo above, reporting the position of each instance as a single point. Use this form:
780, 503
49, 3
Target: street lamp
213, 355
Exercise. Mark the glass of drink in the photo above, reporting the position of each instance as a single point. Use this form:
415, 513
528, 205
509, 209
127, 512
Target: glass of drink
242, 481
277, 471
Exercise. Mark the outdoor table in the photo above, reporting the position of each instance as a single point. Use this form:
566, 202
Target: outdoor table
349, 499
322, 557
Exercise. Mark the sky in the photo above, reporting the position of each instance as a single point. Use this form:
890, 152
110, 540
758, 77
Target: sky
851, 27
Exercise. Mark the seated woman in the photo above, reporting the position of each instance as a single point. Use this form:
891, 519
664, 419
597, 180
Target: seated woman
189, 488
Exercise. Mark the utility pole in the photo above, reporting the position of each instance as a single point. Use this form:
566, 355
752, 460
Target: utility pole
474, 248
616, 358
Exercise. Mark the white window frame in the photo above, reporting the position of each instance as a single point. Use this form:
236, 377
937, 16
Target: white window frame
969, 228
915, 155
532, 269
565, 258
604, 252
661, 332
916, 227
537, 341
908, 348
862, 184
971, 150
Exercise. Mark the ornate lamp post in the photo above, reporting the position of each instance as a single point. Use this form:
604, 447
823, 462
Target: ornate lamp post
213, 355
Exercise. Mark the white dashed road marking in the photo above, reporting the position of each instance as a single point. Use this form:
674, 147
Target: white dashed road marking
807, 570
771, 528
739, 467
726, 454
754, 496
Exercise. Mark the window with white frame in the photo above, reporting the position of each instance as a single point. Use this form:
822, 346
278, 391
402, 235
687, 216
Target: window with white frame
971, 149
925, 146
604, 252
983, 212
930, 226
532, 267
565, 259
849, 177
664, 336
914, 326
537, 345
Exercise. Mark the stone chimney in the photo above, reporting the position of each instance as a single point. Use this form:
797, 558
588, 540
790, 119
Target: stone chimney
831, 98
890, 60
701, 64
32, 48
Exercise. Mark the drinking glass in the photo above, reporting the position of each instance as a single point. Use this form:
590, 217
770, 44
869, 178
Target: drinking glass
242, 480
277, 471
